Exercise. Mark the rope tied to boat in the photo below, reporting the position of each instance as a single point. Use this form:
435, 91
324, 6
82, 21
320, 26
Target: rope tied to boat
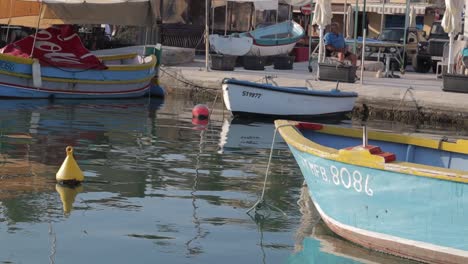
260, 202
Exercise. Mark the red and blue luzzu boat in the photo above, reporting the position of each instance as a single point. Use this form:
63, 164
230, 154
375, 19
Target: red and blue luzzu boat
403, 195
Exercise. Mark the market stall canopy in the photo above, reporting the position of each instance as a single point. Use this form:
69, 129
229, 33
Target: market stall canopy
259, 4
272, 4
296, 2
116, 12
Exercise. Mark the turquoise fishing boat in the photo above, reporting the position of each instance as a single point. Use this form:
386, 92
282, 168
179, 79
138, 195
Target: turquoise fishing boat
398, 194
53, 62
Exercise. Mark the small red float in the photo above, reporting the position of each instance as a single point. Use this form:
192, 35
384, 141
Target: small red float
201, 112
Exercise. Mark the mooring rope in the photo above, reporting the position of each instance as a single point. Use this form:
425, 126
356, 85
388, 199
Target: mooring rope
261, 200
186, 81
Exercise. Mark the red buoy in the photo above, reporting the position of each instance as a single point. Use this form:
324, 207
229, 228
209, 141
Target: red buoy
201, 112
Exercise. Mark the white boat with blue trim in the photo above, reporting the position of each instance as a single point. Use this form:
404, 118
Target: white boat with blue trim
244, 98
402, 195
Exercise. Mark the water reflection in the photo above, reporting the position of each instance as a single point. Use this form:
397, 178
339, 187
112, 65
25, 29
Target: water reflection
68, 195
238, 134
159, 186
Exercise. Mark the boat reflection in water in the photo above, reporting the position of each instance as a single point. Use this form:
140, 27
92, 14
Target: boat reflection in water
237, 133
316, 243
33, 137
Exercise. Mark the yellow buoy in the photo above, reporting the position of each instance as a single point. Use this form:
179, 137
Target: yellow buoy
68, 195
69, 172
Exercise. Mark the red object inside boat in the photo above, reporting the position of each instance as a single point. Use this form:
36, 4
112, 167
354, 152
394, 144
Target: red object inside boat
57, 46
375, 150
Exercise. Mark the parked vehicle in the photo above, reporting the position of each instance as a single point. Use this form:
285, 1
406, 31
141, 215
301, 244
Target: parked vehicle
432, 50
396, 35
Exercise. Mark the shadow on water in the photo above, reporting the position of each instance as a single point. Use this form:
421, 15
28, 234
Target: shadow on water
159, 187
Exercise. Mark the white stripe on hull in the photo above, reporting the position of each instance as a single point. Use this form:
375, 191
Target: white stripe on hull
406, 248
239, 98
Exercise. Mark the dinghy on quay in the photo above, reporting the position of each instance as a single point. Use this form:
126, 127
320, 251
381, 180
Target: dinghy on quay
402, 195
278, 39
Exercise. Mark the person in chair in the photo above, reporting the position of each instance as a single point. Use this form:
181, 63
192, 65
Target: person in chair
336, 46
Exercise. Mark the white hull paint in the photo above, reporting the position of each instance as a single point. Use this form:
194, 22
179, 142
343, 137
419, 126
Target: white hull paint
253, 100
258, 50
406, 248
234, 46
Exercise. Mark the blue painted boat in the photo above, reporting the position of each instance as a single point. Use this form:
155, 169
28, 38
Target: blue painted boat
53, 63
402, 195
271, 40
133, 77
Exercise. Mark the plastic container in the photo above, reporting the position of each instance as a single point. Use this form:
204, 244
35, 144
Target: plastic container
222, 62
333, 72
455, 83
283, 62
255, 63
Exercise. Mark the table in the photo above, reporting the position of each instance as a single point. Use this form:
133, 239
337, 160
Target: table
381, 46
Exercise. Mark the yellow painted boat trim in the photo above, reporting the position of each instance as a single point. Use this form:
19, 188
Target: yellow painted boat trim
63, 80
362, 157
15, 59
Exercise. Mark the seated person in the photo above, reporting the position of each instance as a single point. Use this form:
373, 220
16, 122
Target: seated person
335, 45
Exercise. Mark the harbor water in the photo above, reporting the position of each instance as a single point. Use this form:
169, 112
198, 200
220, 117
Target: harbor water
159, 188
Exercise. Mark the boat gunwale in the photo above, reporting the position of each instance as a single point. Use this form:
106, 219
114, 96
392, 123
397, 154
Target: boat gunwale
290, 90
292, 135
142, 66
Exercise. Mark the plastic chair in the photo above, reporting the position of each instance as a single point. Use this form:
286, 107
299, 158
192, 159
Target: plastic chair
443, 62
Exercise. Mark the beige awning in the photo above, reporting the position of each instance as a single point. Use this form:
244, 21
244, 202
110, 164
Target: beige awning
391, 9
116, 12
337, 9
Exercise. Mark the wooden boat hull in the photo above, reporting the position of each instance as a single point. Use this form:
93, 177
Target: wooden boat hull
411, 211
126, 77
248, 98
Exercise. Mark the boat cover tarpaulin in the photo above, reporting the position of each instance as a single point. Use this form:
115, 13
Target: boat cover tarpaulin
56, 46
55, 12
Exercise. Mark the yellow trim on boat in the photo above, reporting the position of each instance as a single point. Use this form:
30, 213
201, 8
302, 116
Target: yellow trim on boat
460, 146
63, 80
117, 56
15, 59
362, 157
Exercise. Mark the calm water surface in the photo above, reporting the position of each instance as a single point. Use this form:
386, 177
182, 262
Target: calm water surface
160, 190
